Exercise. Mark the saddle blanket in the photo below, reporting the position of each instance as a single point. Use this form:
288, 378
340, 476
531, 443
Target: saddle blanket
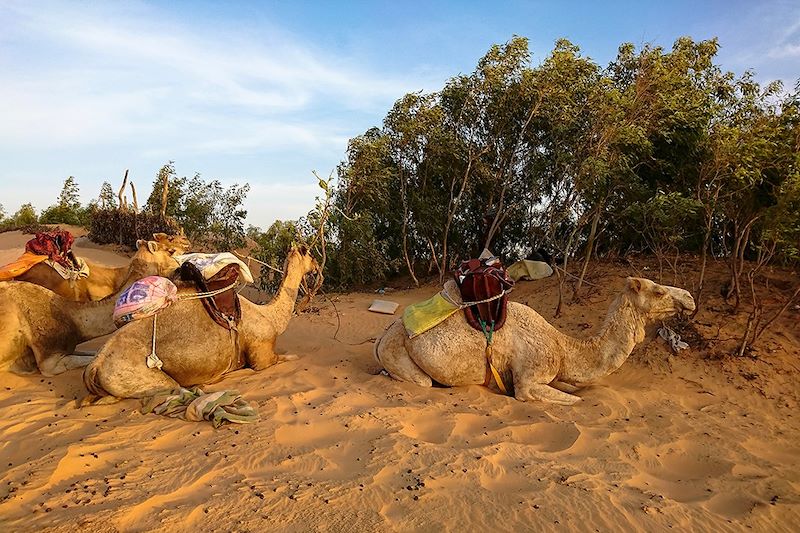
70, 274
210, 264
25, 262
423, 316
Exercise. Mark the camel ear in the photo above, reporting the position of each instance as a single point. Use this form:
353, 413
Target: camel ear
140, 243
634, 284
152, 246
160, 237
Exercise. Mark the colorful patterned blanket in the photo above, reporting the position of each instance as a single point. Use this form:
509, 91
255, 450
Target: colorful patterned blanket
144, 298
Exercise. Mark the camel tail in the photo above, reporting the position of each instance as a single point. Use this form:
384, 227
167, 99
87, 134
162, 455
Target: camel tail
92, 383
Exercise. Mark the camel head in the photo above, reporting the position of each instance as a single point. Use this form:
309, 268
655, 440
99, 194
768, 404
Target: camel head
153, 259
173, 244
657, 301
300, 257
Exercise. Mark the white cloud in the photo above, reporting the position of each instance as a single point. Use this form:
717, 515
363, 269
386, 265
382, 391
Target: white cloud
785, 50
112, 72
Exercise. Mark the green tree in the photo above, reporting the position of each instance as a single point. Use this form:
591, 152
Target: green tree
67, 210
107, 198
25, 216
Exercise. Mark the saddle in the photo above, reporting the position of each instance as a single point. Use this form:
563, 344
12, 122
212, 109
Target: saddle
223, 308
56, 245
479, 280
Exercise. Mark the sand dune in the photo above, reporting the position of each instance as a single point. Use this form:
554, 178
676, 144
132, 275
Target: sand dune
686, 442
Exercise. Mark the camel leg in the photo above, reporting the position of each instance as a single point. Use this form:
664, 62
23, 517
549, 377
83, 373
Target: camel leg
565, 387
263, 356
391, 354
123, 378
545, 393
55, 364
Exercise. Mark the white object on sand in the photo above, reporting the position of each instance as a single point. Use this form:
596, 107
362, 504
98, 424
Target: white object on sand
384, 307
527, 269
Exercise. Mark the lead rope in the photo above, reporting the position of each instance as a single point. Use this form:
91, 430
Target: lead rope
488, 332
152, 360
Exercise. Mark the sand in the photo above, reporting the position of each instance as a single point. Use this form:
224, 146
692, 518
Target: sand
695, 441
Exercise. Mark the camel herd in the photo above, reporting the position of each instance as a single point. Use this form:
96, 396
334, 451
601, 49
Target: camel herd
42, 320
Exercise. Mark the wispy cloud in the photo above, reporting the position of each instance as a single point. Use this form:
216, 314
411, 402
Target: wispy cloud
112, 71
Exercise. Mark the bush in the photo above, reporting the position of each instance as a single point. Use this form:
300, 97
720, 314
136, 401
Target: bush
111, 226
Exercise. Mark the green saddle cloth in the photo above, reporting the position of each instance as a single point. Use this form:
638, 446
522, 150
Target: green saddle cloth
420, 317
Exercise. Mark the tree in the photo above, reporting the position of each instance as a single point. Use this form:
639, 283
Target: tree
107, 198
25, 216
67, 210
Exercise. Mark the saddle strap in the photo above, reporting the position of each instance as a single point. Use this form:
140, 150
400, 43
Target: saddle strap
491, 369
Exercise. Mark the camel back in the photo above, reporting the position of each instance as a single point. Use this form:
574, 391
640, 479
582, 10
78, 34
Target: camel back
480, 280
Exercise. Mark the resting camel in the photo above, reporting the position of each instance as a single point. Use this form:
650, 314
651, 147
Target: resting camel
193, 349
40, 329
540, 361
103, 280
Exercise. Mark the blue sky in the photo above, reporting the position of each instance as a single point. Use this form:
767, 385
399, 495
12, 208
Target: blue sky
266, 92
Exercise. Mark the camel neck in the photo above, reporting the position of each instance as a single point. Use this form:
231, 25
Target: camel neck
602, 354
94, 319
281, 307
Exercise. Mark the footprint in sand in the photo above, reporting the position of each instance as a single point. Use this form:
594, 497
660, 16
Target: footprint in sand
681, 471
549, 437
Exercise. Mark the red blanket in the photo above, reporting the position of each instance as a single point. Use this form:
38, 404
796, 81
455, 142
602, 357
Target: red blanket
56, 245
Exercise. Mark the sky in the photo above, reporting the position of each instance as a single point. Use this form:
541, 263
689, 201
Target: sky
267, 92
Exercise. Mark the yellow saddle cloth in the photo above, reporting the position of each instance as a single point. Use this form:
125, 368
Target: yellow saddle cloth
420, 317
25, 262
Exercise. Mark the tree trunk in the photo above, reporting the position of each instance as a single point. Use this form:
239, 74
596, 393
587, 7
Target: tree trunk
123, 204
164, 193
589, 250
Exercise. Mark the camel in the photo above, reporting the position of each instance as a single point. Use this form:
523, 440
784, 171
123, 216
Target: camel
103, 280
194, 350
541, 362
40, 329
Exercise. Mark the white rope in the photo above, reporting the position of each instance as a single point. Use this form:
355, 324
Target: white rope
249, 258
209, 294
464, 305
152, 360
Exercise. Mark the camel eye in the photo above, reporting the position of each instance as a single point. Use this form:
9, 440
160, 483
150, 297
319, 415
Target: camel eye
658, 291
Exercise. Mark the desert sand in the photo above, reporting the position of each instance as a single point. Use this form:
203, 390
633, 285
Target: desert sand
699, 440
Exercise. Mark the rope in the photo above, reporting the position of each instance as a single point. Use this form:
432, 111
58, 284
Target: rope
249, 258
209, 294
488, 332
463, 305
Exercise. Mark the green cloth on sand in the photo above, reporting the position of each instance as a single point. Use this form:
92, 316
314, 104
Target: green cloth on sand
195, 405
420, 317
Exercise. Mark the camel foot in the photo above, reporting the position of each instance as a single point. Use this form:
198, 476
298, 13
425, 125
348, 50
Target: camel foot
546, 393
565, 387
55, 365
94, 399
288, 357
